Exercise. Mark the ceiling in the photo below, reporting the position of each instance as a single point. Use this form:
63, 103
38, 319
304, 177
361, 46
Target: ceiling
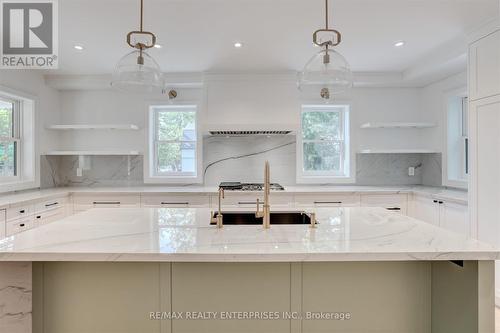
198, 35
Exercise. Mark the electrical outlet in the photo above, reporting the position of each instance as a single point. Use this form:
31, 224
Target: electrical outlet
79, 172
411, 171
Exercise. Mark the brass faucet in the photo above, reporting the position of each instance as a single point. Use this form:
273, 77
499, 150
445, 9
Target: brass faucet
218, 218
266, 208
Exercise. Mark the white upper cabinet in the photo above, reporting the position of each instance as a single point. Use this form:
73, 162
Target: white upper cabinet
484, 66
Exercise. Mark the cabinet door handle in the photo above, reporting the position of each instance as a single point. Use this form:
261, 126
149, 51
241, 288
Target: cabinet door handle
22, 211
22, 225
394, 208
174, 203
51, 204
435, 201
247, 202
441, 202
39, 217
106, 202
327, 202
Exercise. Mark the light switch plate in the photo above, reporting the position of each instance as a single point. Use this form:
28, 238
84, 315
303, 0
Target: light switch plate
411, 171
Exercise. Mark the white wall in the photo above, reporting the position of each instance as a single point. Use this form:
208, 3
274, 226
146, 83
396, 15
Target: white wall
46, 108
109, 107
261, 101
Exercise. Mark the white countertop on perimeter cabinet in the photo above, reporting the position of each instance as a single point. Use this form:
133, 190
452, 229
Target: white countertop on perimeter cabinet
184, 234
30, 195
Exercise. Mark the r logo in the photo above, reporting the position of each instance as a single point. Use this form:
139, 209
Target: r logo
27, 28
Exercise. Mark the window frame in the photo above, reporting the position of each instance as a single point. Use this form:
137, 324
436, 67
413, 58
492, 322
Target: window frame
344, 174
151, 172
15, 138
28, 161
457, 94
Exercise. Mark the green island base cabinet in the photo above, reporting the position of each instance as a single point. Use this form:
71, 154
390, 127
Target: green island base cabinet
182, 297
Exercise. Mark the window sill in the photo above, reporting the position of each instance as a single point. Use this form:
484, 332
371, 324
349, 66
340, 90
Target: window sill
181, 180
18, 186
325, 180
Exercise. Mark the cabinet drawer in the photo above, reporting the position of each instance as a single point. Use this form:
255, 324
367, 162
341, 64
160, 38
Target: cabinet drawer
327, 200
176, 200
19, 211
249, 200
49, 216
50, 204
393, 202
88, 201
17, 226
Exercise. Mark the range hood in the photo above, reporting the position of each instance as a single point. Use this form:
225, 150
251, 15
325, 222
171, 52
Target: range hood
247, 129
248, 132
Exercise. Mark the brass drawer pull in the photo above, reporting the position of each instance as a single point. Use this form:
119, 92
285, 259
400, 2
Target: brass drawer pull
174, 203
327, 202
106, 202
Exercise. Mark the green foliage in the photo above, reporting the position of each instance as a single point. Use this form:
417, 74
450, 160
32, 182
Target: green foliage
5, 122
7, 149
320, 132
174, 126
321, 125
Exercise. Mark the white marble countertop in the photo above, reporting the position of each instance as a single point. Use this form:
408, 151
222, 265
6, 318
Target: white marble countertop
184, 234
31, 195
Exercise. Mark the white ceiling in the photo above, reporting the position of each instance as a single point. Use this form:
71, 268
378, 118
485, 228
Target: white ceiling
198, 35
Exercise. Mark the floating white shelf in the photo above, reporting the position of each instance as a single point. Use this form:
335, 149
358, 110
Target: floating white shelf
397, 151
398, 125
92, 152
94, 127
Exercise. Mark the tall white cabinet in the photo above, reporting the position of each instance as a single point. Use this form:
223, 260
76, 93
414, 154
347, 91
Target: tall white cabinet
484, 136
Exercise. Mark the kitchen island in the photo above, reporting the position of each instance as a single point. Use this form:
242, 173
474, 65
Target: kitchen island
169, 270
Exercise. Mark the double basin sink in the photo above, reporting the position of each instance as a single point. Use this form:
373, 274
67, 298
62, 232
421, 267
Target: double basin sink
248, 218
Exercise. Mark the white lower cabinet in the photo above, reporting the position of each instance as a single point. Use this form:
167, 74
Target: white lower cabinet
175, 200
425, 209
454, 217
249, 200
25, 216
446, 214
392, 202
327, 200
85, 201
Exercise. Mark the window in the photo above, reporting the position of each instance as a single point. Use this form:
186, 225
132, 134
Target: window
174, 146
323, 144
17, 141
9, 139
457, 167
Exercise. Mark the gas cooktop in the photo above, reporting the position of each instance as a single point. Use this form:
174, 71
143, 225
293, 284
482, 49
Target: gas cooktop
237, 186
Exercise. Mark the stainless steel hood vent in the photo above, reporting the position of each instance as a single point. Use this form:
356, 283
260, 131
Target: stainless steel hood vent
240, 133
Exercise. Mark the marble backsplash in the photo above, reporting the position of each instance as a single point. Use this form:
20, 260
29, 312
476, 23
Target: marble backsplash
241, 159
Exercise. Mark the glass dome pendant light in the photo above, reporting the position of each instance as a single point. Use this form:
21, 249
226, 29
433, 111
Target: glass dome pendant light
327, 72
137, 71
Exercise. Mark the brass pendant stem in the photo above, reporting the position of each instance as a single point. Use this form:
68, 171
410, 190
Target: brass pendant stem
142, 11
326, 14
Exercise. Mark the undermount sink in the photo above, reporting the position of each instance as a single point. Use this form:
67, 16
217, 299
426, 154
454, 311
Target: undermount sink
248, 218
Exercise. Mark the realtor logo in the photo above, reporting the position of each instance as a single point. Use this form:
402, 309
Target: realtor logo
29, 34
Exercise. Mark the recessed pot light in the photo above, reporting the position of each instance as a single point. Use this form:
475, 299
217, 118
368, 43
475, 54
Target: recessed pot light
78, 47
238, 45
399, 43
